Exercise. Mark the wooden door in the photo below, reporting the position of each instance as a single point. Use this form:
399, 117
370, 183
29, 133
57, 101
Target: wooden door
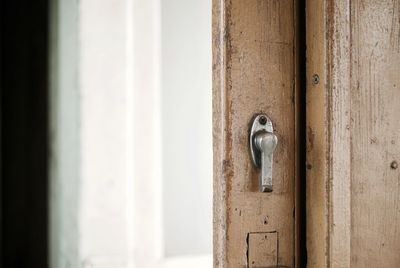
353, 153
253, 72
353, 133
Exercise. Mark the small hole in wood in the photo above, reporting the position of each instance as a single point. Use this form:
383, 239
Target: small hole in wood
394, 165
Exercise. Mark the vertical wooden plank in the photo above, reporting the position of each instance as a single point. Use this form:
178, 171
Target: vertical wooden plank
219, 134
352, 193
328, 136
253, 72
328, 133
338, 65
375, 97
317, 143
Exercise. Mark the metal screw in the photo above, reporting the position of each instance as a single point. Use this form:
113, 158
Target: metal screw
394, 165
315, 79
262, 120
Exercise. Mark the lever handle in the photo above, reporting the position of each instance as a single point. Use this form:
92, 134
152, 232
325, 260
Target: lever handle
266, 143
262, 145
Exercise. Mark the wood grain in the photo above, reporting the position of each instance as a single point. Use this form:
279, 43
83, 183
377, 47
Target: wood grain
263, 250
353, 186
253, 72
375, 128
317, 142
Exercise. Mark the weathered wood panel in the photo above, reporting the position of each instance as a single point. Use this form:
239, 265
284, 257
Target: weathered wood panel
353, 180
375, 128
316, 107
254, 51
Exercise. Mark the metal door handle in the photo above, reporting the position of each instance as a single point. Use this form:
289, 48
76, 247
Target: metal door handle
263, 142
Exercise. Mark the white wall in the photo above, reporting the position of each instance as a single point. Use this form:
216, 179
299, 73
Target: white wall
106, 201
114, 131
186, 126
91, 209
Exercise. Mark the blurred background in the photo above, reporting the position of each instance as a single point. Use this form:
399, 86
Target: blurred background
106, 145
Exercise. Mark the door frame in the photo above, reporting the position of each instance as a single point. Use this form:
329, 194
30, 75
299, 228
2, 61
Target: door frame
225, 46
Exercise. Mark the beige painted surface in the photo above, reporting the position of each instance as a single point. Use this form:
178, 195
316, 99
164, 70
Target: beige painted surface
253, 72
353, 133
263, 249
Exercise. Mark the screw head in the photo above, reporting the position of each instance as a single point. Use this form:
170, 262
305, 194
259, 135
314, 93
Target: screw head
315, 79
262, 120
394, 165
